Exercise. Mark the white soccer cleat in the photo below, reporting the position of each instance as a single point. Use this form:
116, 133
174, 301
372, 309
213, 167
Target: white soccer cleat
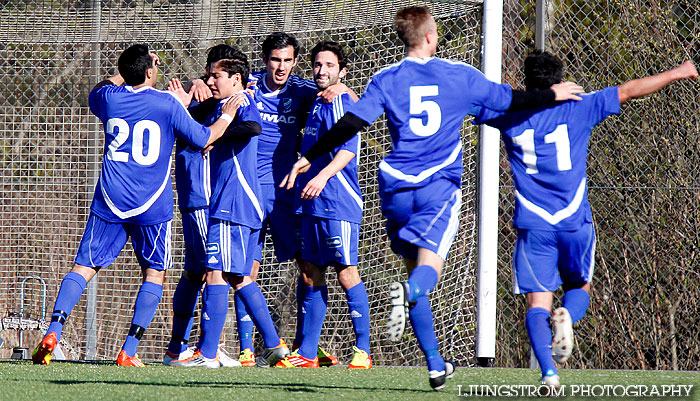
438, 378
271, 356
563, 341
550, 381
169, 357
225, 360
197, 360
396, 324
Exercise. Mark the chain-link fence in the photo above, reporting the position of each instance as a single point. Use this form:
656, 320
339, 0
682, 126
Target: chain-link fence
643, 190
51, 53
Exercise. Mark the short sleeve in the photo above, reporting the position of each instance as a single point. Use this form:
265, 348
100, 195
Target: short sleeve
340, 105
485, 93
597, 106
371, 104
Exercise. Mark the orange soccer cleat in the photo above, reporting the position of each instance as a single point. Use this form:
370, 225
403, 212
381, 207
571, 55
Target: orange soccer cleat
125, 360
42, 353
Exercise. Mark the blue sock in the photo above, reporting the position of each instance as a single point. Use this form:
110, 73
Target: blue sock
576, 301
421, 281
244, 324
422, 321
184, 303
315, 304
358, 304
540, 333
257, 308
69, 294
144, 309
215, 299
301, 295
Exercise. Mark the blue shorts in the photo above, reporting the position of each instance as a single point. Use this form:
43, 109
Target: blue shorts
231, 247
544, 260
103, 241
327, 242
194, 229
426, 217
281, 221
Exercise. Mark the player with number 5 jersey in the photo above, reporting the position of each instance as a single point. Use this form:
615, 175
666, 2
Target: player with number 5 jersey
425, 100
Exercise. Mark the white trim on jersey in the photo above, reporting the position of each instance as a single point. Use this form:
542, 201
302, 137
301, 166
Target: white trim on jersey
202, 225
354, 195
591, 268
168, 246
562, 214
452, 226
145, 88
346, 236
206, 179
141, 209
414, 179
248, 190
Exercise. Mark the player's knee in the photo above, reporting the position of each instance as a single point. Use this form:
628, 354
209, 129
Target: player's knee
193, 277
348, 276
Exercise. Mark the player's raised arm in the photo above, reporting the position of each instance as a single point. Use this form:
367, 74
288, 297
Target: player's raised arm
648, 85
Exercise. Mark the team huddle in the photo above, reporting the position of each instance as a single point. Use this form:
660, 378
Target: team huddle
236, 135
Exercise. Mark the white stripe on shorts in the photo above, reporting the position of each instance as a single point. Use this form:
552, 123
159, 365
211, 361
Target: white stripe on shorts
451, 231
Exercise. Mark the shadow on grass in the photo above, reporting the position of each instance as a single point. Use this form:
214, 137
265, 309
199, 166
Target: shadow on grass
291, 387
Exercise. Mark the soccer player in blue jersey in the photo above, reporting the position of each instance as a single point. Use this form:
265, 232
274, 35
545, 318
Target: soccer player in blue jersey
235, 218
284, 100
133, 196
548, 148
330, 203
425, 100
193, 189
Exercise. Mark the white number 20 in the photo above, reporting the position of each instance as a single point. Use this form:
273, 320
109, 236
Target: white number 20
559, 137
417, 106
137, 142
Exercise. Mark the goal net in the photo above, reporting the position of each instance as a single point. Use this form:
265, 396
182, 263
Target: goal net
53, 52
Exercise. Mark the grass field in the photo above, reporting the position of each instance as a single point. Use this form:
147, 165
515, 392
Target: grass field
20, 380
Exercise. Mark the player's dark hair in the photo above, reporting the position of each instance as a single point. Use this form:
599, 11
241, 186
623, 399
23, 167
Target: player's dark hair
237, 64
279, 40
220, 52
327, 45
542, 70
133, 64
411, 24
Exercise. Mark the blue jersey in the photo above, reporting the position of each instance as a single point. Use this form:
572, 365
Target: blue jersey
426, 101
341, 199
192, 180
234, 180
140, 128
283, 114
547, 149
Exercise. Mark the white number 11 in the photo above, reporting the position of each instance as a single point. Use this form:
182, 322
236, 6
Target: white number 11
560, 138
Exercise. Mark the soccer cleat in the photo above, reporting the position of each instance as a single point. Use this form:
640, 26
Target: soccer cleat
550, 381
295, 360
396, 324
125, 360
169, 356
437, 379
325, 358
563, 341
197, 359
273, 355
225, 360
361, 360
42, 353
247, 358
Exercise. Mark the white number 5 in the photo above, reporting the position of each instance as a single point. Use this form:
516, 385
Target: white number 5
418, 106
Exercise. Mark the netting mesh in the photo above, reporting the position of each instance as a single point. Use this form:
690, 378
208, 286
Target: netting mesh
642, 184
52, 52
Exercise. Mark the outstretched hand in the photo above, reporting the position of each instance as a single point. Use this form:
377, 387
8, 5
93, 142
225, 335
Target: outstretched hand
301, 166
567, 91
176, 87
687, 70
